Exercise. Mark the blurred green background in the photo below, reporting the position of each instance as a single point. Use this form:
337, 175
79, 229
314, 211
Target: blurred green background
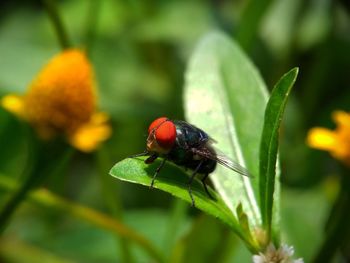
139, 50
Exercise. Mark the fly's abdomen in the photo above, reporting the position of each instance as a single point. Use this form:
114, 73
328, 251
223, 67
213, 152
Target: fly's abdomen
186, 159
207, 167
179, 156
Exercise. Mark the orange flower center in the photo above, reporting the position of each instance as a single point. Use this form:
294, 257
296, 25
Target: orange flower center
62, 97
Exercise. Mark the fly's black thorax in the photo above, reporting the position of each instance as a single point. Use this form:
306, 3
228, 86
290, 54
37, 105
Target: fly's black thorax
189, 137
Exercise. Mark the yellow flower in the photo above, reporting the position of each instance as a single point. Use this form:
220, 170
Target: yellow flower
62, 100
337, 141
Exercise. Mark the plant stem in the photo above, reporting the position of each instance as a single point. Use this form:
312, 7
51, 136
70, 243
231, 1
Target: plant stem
47, 199
16, 199
91, 23
57, 22
338, 228
41, 171
112, 198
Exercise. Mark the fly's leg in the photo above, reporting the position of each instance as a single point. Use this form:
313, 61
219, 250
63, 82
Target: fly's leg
151, 158
144, 153
157, 171
191, 180
205, 185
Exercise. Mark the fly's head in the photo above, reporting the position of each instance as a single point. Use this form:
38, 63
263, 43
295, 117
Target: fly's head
161, 136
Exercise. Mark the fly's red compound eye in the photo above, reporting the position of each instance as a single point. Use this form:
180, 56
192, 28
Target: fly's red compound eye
164, 132
156, 123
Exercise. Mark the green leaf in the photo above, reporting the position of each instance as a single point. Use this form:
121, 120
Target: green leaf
226, 97
174, 180
269, 148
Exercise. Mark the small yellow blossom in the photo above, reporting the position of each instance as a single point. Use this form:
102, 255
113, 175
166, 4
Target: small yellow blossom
82, 138
13, 104
337, 141
62, 100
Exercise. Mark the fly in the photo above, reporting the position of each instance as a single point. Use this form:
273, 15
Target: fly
185, 145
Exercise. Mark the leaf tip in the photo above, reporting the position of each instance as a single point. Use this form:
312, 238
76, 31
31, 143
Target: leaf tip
294, 71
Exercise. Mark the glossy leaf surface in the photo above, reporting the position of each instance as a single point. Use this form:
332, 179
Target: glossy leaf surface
269, 148
226, 97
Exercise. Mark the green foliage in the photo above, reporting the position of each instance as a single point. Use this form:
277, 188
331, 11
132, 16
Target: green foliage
150, 60
225, 96
217, 81
269, 149
174, 181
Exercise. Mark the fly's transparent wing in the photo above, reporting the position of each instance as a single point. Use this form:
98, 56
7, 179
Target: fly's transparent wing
229, 163
207, 151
